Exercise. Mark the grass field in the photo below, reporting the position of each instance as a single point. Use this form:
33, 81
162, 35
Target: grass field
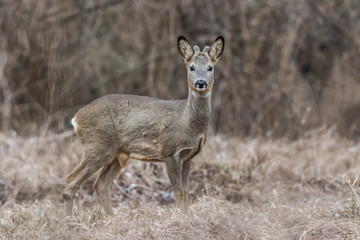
240, 189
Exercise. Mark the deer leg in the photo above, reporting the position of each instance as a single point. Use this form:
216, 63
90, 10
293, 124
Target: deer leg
90, 163
68, 192
174, 166
185, 181
105, 179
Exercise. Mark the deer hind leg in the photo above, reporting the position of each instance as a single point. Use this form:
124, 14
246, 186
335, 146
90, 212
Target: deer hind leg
105, 179
92, 160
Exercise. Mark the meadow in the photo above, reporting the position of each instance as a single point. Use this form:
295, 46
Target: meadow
241, 188
282, 159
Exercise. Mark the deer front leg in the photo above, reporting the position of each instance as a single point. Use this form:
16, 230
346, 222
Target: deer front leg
174, 167
185, 180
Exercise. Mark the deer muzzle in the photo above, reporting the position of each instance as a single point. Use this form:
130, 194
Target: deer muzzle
201, 85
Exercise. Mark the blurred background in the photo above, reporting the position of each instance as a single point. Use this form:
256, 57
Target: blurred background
288, 65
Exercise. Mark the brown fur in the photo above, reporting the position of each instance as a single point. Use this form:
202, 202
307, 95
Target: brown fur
117, 127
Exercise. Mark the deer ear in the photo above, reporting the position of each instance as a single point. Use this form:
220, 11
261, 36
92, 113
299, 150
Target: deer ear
217, 48
185, 48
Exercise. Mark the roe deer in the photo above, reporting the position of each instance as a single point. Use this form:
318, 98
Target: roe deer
117, 127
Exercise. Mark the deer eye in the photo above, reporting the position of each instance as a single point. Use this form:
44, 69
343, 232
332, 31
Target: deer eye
192, 68
210, 68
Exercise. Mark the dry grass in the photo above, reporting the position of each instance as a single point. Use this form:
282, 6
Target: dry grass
241, 189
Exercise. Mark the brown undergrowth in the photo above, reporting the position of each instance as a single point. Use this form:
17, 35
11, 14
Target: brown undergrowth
240, 189
288, 66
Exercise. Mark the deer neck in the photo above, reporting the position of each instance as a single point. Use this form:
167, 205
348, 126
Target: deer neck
197, 111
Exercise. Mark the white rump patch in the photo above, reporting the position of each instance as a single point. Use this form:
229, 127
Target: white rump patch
73, 122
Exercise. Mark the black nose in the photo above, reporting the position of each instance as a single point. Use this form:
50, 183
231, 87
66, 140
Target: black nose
200, 84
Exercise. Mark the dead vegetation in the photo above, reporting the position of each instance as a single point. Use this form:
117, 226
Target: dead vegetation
240, 189
288, 67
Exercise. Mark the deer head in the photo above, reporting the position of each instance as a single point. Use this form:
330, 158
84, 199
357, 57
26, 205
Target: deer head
200, 64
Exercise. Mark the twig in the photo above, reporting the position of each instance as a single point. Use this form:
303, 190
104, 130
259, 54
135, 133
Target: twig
343, 32
352, 186
72, 16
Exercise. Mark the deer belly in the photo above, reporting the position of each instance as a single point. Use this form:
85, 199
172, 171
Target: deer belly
148, 152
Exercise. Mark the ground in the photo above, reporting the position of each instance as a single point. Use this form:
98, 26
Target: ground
241, 188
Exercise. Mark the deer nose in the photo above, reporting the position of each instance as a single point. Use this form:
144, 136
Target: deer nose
201, 85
